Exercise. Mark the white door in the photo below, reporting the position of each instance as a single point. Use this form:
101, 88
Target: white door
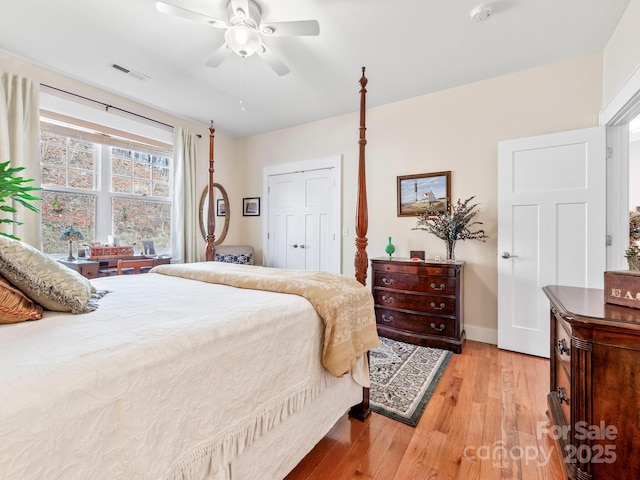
551, 228
300, 230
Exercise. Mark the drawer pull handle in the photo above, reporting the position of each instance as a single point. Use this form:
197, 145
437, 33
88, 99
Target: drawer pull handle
562, 346
386, 299
439, 328
435, 287
441, 307
562, 395
387, 318
387, 281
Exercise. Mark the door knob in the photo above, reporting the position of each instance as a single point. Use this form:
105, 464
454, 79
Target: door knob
295, 245
507, 255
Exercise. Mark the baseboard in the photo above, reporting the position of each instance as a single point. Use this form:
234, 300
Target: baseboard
479, 334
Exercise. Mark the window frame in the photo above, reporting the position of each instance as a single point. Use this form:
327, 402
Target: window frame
103, 142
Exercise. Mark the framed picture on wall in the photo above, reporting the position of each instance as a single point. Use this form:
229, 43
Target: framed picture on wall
221, 208
251, 207
418, 192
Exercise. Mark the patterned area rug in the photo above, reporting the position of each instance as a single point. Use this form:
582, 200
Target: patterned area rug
403, 378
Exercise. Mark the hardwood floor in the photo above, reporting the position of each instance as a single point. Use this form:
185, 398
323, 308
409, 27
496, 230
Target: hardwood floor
485, 420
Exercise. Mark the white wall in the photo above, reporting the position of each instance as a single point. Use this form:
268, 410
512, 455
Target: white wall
621, 56
457, 130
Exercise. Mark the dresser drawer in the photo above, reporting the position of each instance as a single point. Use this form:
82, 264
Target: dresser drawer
563, 345
416, 269
413, 301
415, 283
416, 323
563, 391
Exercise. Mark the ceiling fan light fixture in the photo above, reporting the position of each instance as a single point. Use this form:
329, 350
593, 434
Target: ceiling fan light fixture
243, 40
481, 12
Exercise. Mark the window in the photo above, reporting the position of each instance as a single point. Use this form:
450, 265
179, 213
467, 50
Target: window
103, 186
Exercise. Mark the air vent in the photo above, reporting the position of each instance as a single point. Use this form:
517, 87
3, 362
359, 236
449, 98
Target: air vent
131, 73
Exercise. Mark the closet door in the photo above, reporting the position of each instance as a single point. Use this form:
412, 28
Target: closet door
300, 206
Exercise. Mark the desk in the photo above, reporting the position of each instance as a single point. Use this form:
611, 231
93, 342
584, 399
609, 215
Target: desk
104, 266
86, 268
107, 266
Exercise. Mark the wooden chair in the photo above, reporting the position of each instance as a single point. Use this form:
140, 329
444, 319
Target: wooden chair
135, 266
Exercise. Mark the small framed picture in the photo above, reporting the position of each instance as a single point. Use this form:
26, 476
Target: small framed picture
416, 193
221, 208
251, 207
148, 248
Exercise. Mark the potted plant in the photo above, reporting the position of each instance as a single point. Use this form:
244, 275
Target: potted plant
452, 224
13, 187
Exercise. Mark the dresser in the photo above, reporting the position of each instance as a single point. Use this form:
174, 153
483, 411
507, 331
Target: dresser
419, 302
594, 401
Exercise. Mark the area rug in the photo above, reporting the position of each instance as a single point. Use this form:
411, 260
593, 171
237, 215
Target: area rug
403, 378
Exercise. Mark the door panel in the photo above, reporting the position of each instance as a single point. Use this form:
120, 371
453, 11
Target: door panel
551, 224
307, 198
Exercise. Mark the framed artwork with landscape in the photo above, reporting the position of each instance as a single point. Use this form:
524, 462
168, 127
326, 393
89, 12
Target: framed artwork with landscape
418, 192
251, 207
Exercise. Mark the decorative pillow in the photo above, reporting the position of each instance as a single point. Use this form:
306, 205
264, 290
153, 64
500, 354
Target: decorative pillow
43, 279
243, 258
15, 306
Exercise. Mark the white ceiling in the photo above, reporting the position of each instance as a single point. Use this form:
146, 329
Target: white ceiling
410, 47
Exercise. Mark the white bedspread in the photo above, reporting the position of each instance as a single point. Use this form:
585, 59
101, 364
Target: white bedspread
168, 379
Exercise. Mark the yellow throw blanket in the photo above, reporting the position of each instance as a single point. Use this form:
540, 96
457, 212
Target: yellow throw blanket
345, 306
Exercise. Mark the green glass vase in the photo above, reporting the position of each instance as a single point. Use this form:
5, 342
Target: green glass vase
390, 248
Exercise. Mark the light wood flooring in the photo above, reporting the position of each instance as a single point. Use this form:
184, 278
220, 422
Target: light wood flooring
485, 420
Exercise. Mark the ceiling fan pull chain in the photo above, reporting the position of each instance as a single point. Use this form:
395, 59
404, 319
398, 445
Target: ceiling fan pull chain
243, 107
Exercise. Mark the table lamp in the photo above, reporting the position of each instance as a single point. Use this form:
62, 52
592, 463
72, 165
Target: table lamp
70, 234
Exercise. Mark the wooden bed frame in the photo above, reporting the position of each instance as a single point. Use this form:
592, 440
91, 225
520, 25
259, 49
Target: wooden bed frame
361, 263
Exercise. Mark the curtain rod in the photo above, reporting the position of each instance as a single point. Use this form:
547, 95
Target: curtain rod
106, 105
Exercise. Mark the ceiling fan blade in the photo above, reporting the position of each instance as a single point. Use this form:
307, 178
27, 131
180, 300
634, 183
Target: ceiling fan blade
274, 62
189, 14
242, 5
218, 56
295, 28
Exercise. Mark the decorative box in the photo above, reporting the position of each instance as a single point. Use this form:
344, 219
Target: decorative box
122, 251
622, 288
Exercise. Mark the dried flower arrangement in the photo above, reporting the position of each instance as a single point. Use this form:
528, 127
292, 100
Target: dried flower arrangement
633, 252
452, 225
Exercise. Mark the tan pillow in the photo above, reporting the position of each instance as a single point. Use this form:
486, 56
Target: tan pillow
15, 306
43, 279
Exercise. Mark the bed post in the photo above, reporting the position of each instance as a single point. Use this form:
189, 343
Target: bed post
211, 219
362, 411
362, 218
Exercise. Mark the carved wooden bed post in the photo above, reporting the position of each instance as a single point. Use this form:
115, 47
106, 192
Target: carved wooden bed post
362, 217
362, 411
211, 219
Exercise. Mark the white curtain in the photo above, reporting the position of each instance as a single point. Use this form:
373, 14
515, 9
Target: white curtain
186, 227
20, 144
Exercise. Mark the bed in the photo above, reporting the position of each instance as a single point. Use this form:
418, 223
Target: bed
200, 371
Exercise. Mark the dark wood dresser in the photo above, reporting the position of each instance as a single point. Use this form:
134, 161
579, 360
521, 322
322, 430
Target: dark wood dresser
595, 384
419, 302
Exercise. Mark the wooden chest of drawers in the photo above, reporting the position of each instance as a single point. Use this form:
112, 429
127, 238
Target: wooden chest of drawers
594, 401
419, 302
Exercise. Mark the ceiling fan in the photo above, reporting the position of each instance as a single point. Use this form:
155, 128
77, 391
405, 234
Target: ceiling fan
245, 30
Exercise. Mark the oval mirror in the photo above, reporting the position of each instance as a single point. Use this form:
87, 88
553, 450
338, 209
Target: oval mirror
222, 213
